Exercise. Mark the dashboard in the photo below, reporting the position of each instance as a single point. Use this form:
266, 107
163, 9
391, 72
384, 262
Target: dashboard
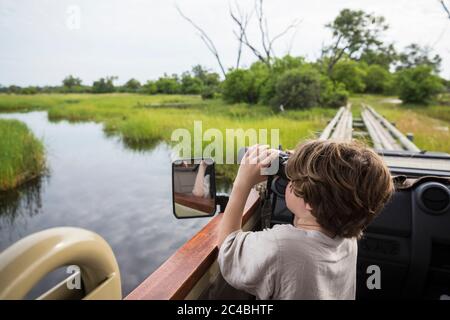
410, 240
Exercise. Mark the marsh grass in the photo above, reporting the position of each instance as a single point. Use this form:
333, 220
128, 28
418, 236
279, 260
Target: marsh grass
430, 124
142, 121
146, 119
22, 155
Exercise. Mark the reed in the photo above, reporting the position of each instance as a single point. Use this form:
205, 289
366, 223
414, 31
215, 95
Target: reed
22, 155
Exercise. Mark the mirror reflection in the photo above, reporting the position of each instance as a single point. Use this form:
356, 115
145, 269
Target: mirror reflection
193, 188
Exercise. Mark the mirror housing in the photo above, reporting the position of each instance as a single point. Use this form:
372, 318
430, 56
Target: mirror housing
193, 188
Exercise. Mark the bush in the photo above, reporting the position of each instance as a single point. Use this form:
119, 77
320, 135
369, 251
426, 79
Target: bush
334, 94
169, 85
29, 90
191, 85
351, 74
279, 66
239, 87
132, 85
245, 85
377, 79
209, 93
104, 85
149, 87
418, 84
299, 88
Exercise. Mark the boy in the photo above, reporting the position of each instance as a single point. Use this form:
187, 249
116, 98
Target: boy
336, 189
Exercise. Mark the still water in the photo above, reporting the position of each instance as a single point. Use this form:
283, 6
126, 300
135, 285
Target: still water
98, 183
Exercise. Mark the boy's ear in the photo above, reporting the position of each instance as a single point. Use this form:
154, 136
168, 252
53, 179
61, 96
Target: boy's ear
308, 207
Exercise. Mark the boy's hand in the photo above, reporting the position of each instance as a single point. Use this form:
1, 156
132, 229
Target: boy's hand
255, 159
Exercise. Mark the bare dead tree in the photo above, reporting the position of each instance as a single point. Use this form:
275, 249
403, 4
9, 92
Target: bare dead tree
266, 42
206, 40
242, 20
444, 6
291, 41
245, 18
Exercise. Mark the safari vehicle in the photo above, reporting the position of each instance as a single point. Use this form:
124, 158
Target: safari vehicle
409, 241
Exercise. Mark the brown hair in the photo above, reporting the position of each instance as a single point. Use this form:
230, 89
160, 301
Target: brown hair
345, 183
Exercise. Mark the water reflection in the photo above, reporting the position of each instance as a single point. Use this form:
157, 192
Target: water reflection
99, 184
140, 146
24, 200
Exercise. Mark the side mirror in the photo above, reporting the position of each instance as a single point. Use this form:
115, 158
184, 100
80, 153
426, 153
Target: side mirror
193, 188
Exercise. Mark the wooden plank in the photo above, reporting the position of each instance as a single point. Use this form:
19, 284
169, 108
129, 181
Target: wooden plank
387, 141
371, 129
327, 131
343, 130
175, 278
395, 132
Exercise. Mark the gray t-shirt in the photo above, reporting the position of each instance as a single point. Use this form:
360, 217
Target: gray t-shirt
286, 262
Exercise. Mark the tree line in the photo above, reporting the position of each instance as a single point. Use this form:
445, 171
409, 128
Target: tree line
355, 61
197, 81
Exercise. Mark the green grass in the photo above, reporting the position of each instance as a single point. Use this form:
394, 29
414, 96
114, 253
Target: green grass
21, 154
430, 124
142, 119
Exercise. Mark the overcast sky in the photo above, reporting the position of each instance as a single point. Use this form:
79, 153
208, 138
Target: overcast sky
43, 41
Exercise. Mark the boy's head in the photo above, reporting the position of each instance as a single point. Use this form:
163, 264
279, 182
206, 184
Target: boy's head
344, 184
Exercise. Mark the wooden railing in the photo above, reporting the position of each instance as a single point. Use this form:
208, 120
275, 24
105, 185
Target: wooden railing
191, 201
176, 277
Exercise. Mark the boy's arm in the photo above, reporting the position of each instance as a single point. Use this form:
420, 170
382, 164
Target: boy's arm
232, 217
248, 175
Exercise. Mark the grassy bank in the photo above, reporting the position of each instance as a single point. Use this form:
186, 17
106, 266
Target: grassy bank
429, 124
143, 120
21, 154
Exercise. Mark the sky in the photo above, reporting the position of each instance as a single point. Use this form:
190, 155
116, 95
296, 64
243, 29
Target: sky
42, 41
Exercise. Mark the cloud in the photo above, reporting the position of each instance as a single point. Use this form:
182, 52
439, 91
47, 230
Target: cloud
144, 39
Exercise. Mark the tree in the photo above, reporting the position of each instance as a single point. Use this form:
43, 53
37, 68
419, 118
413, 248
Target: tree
190, 84
444, 6
333, 94
243, 85
353, 31
168, 84
132, 85
414, 55
207, 77
150, 87
71, 82
279, 66
14, 89
384, 56
299, 88
418, 84
104, 85
264, 51
377, 79
351, 74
